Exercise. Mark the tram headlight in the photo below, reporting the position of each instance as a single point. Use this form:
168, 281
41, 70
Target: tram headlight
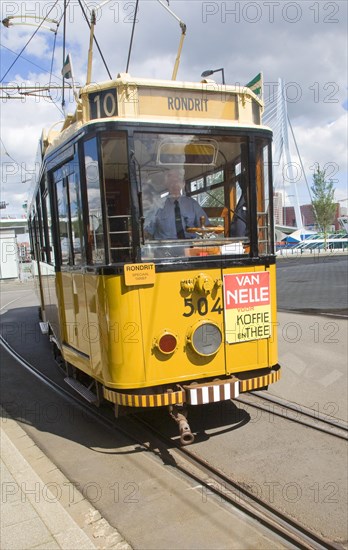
167, 342
205, 338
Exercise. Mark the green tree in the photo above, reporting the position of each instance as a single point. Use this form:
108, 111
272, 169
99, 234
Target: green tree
323, 200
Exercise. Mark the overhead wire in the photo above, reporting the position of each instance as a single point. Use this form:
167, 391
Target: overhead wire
28, 42
49, 84
132, 35
52, 60
50, 72
64, 40
28, 60
95, 40
8, 154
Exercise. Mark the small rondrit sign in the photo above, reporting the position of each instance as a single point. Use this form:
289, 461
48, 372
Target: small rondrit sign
247, 306
139, 274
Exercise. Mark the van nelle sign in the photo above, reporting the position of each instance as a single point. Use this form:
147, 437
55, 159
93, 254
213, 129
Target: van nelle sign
247, 300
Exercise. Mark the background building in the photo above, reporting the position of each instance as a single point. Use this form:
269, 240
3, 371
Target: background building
14, 248
308, 217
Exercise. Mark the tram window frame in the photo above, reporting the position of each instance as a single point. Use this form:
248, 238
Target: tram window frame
35, 226
117, 197
47, 248
49, 228
40, 226
31, 236
66, 179
61, 190
78, 247
264, 197
96, 255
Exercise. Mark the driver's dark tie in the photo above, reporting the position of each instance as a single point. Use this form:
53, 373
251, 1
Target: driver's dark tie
178, 222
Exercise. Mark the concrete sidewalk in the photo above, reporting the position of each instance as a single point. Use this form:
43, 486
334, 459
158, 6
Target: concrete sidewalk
40, 507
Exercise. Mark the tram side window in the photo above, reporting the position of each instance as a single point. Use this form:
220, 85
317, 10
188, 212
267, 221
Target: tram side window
49, 229
46, 248
63, 221
95, 225
32, 235
41, 242
76, 218
36, 237
70, 222
117, 196
264, 192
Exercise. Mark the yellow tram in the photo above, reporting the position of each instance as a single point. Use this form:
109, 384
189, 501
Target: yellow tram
152, 231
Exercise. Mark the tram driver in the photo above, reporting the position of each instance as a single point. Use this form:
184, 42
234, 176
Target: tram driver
178, 213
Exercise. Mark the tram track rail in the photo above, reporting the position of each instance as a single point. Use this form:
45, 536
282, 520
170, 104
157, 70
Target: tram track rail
296, 413
232, 492
210, 479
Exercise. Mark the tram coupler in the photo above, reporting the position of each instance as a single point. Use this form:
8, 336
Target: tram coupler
179, 414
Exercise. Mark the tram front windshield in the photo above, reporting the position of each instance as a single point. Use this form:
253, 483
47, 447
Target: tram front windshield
196, 195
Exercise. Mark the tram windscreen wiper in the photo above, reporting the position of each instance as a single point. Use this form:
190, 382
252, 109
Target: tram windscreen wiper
136, 173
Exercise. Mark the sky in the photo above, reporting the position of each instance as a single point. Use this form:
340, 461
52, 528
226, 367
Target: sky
302, 42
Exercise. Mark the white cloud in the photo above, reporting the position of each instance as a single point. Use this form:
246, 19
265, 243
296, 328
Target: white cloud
324, 144
327, 146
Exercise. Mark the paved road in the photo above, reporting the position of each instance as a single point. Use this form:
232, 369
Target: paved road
313, 284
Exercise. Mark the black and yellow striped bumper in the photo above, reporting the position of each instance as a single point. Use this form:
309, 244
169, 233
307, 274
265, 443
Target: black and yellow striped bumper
195, 394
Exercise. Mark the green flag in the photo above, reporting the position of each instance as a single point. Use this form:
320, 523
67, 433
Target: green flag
256, 84
67, 67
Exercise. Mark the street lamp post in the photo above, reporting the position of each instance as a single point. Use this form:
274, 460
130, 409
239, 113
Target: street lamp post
209, 72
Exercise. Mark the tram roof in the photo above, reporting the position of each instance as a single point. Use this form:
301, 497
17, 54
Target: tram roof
130, 99
205, 84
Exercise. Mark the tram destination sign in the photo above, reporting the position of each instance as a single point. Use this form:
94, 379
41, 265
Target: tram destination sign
164, 102
247, 306
187, 103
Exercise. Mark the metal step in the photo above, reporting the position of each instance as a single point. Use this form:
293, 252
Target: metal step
81, 389
44, 327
